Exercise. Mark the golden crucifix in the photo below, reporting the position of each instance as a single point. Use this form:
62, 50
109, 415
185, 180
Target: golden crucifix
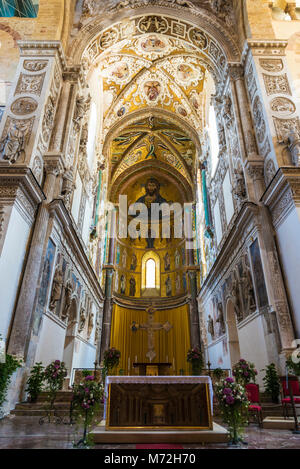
151, 327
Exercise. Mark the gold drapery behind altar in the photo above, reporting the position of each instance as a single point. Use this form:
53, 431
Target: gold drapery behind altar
170, 346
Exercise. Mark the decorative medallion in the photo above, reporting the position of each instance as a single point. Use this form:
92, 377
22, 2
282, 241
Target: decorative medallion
22, 106
153, 24
35, 65
271, 65
152, 90
198, 38
283, 105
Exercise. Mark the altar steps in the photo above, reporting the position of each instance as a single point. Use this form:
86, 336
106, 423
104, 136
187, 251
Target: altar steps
217, 435
38, 408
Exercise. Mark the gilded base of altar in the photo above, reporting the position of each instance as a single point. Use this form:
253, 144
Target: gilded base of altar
218, 434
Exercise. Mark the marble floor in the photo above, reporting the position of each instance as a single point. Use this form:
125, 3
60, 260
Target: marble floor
26, 433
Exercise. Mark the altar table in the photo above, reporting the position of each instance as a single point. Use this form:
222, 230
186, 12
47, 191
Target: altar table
158, 402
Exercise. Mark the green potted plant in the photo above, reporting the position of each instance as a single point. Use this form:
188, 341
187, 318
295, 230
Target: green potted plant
194, 356
233, 404
35, 381
244, 372
272, 382
7, 369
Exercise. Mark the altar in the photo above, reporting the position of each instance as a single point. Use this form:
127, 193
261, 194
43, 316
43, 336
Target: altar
159, 402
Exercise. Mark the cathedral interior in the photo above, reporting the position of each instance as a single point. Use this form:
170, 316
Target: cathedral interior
107, 104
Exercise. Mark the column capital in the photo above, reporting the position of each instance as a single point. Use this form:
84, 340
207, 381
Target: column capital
255, 168
53, 163
41, 48
236, 71
283, 194
74, 74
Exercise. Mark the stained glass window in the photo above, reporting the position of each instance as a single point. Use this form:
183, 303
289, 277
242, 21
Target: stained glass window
19, 8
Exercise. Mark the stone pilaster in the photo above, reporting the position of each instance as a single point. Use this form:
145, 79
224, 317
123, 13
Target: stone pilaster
21, 328
193, 307
18, 188
283, 201
274, 108
107, 311
31, 107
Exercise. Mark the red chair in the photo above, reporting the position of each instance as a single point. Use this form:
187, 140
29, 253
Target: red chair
255, 407
295, 390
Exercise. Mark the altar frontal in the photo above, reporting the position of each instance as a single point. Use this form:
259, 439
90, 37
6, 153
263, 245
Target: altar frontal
156, 402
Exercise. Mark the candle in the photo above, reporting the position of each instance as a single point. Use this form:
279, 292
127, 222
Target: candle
167, 359
128, 364
135, 359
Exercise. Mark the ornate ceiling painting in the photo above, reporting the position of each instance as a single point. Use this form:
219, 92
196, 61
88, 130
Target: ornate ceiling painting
154, 66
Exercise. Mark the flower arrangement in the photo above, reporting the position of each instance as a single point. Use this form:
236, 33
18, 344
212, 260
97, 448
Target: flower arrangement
233, 404
293, 363
194, 356
54, 375
244, 372
111, 358
87, 398
218, 373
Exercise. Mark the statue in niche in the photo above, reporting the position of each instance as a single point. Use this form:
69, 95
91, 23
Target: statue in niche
177, 283
133, 263
236, 298
12, 146
124, 258
210, 326
167, 261
81, 108
123, 284
293, 143
168, 284
117, 280
239, 187
222, 138
227, 111
82, 319
132, 286
97, 330
90, 324
220, 319
248, 289
67, 303
177, 258
57, 287
152, 188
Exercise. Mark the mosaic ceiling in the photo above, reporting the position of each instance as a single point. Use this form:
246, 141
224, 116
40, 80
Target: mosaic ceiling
152, 139
152, 70
155, 75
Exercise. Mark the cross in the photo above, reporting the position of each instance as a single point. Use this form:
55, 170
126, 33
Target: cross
151, 327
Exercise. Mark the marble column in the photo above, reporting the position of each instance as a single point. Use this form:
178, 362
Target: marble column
21, 328
109, 270
251, 157
193, 308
